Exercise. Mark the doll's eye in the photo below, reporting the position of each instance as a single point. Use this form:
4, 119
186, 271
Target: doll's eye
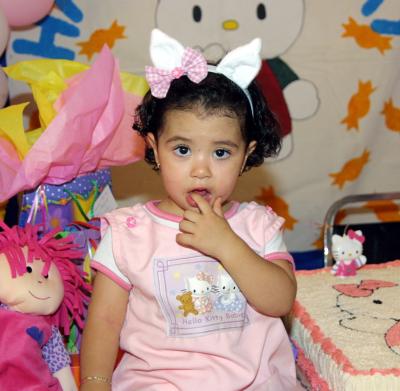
377, 302
46, 276
29, 269
196, 12
342, 252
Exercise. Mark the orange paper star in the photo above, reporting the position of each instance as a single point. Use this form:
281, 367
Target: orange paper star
392, 116
359, 105
385, 211
351, 170
101, 37
366, 37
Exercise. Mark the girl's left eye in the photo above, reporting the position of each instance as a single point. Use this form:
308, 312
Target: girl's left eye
182, 150
222, 153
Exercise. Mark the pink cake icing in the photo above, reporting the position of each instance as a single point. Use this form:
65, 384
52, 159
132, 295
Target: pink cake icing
347, 330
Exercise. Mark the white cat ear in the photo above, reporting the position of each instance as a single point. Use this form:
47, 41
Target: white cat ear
187, 285
359, 232
336, 239
165, 52
242, 64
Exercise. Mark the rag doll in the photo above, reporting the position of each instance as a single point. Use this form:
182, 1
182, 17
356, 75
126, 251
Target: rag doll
347, 253
41, 292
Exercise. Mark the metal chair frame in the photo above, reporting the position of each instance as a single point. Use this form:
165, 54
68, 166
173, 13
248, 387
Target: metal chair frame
334, 209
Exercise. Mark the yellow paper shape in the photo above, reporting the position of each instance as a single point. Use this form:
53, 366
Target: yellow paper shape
3, 206
48, 79
12, 128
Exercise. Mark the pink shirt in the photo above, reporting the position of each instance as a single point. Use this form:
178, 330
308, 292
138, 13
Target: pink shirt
187, 324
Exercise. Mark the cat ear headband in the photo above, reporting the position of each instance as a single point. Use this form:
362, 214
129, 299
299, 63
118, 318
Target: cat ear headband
171, 61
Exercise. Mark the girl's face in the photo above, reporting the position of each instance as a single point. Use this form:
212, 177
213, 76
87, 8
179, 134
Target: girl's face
198, 153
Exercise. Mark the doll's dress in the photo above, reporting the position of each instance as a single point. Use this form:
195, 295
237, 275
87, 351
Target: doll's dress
22, 367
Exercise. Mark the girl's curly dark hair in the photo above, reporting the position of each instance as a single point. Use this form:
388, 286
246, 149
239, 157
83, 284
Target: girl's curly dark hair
215, 95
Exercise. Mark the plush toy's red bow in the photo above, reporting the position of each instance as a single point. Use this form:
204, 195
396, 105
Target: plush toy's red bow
354, 235
363, 289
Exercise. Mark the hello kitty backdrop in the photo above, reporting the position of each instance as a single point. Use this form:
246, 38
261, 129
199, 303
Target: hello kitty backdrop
330, 72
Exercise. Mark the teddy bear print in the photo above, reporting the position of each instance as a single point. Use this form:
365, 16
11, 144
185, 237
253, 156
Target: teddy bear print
187, 304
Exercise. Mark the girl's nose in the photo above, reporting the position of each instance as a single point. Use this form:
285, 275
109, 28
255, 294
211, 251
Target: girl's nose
201, 169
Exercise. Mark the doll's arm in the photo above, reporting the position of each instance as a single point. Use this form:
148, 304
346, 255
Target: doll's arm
58, 360
100, 342
66, 379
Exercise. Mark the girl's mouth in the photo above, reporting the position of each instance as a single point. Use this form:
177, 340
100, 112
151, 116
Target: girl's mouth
201, 192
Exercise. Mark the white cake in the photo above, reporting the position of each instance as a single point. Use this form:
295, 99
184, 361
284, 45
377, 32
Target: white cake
347, 330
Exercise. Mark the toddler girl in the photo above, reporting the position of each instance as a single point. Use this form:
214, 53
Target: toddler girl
192, 287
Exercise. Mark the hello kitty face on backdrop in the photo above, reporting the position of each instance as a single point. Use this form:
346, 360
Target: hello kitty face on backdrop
214, 28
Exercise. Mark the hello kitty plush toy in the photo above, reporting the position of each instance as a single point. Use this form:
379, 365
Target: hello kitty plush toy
41, 291
347, 253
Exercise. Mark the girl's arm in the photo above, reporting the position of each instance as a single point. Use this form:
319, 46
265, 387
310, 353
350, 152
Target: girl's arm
100, 341
270, 287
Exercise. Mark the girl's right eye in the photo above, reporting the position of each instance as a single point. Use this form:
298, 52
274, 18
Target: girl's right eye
29, 269
182, 150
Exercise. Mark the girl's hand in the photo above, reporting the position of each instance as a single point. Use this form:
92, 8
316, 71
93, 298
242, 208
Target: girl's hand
207, 230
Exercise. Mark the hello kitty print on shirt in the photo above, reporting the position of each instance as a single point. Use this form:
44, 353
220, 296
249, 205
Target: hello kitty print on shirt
228, 295
197, 296
200, 286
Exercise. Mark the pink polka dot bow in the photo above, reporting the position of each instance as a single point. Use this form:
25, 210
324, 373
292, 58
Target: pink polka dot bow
172, 61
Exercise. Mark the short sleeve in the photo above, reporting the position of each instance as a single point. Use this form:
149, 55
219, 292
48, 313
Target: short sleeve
274, 245
104, 261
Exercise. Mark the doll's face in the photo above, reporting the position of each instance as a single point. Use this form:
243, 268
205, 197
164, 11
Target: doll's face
31, 293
